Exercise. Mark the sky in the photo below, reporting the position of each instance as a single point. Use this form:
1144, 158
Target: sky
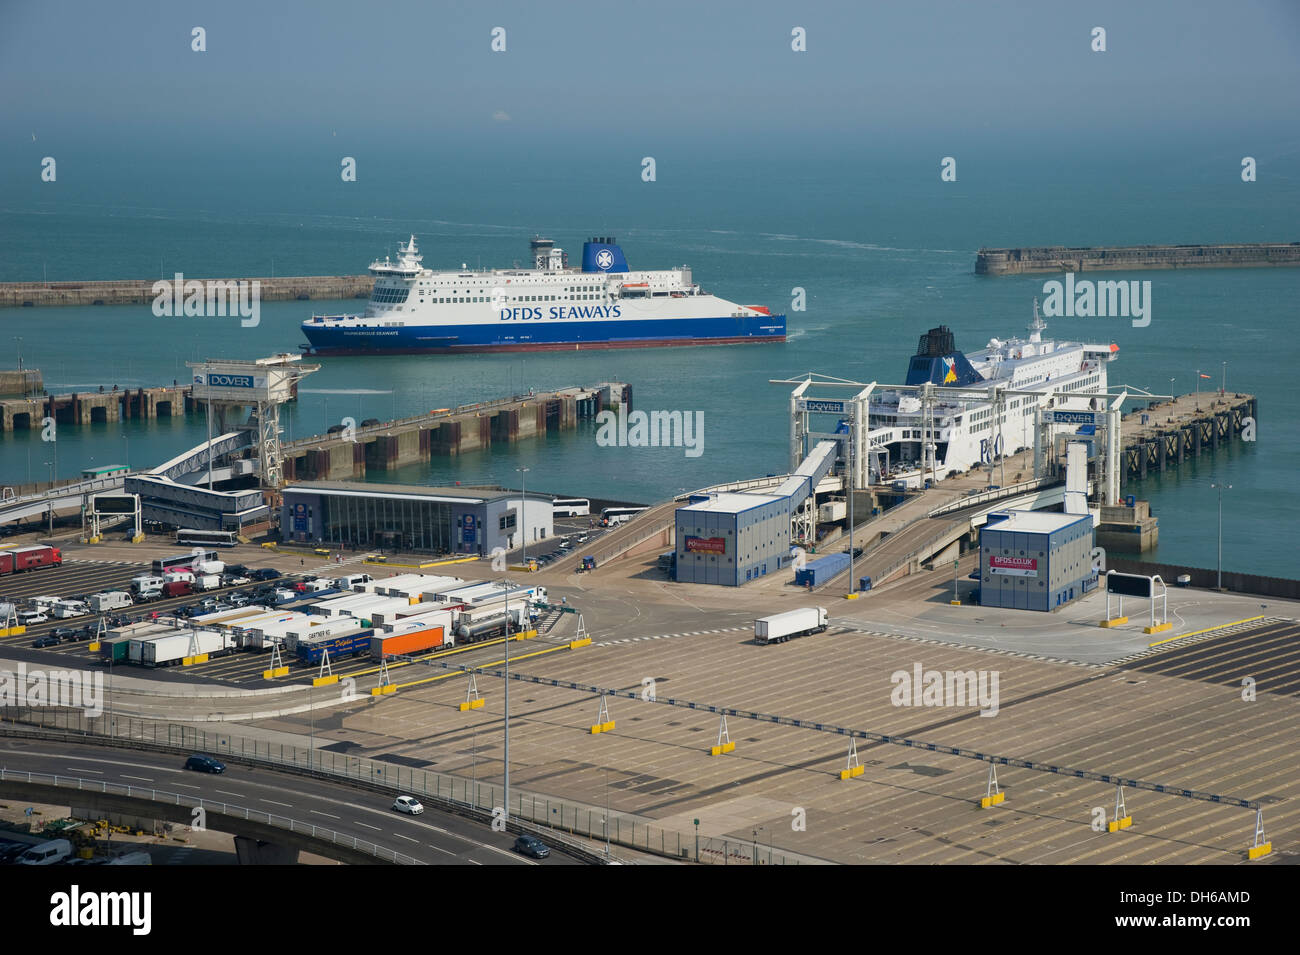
580, 76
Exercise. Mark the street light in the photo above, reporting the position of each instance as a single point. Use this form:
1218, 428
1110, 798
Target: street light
127, 445
507, 585
1220, 488
853, 426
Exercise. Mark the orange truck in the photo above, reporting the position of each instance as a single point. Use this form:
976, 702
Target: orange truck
414, 641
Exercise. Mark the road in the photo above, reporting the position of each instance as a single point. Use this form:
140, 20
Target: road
435, 837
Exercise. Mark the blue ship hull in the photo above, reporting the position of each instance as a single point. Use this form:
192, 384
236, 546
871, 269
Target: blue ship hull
332, 338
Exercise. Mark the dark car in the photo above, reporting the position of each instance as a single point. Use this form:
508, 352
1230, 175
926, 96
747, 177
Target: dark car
264, 573
205, 764
48, 640
10, 851
530, 846
237, 570
64, 633
370, 422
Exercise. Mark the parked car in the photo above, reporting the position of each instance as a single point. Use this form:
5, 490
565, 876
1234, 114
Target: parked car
234, 580
265, 573
66, 634
10, 851
205, 764
29, 618
531, 846
409, 805
48, 640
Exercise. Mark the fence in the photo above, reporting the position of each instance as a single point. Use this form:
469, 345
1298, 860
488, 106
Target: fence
529, 812
222, 808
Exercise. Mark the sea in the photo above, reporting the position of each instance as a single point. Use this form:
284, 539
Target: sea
878, 248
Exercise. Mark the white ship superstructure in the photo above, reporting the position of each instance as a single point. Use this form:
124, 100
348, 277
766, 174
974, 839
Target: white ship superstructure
953, 413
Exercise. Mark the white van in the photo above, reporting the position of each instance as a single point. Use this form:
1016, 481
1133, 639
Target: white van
29, 618
47, 853
348, 581
179, 576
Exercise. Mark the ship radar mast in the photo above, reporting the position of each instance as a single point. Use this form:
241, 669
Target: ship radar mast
1037, 325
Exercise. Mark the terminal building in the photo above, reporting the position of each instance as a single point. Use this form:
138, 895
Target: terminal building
1035, 560
442, 520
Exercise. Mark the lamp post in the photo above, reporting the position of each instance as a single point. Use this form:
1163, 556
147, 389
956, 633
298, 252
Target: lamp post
853, 426
127, 446
1223, 387
507, 585
1220, 488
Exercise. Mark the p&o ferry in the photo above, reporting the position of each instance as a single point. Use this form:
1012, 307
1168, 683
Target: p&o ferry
549, 307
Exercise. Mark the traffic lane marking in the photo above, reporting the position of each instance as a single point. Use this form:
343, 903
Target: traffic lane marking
90, 759
274, 802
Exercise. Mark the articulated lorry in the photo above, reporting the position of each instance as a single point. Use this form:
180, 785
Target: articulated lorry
780, 627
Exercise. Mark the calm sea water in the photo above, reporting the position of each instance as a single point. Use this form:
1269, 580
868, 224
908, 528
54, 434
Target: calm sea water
883, 250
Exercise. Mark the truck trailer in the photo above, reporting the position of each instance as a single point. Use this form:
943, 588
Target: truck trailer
16, 560
313, 648
780, 627
165, 651
416, 641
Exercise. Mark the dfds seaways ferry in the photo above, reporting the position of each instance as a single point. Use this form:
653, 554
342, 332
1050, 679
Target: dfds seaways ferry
547, 307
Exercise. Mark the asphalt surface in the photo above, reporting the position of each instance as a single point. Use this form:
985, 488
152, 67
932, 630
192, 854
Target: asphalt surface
434, 837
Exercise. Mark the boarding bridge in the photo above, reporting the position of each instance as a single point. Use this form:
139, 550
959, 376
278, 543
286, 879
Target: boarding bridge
63, 497
188, 467
196, 458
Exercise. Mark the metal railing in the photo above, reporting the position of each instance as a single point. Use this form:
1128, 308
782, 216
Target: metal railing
546, 816
209, 805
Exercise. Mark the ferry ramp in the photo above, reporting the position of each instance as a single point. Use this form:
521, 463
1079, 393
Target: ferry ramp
75, 494
62, 497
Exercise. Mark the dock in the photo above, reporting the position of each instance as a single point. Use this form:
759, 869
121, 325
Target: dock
280, 288
1104, 258
83, 408
1163, 435
444, 432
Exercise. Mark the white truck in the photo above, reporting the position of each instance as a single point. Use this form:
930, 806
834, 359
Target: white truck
780, 627
174, 648
207, 582
112, 600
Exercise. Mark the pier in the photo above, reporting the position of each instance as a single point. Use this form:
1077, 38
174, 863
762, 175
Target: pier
1135, 257
349, 455
83, 408
282, 288
1164, 435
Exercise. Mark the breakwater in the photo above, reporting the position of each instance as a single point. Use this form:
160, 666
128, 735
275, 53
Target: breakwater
1135, 257
282, 288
